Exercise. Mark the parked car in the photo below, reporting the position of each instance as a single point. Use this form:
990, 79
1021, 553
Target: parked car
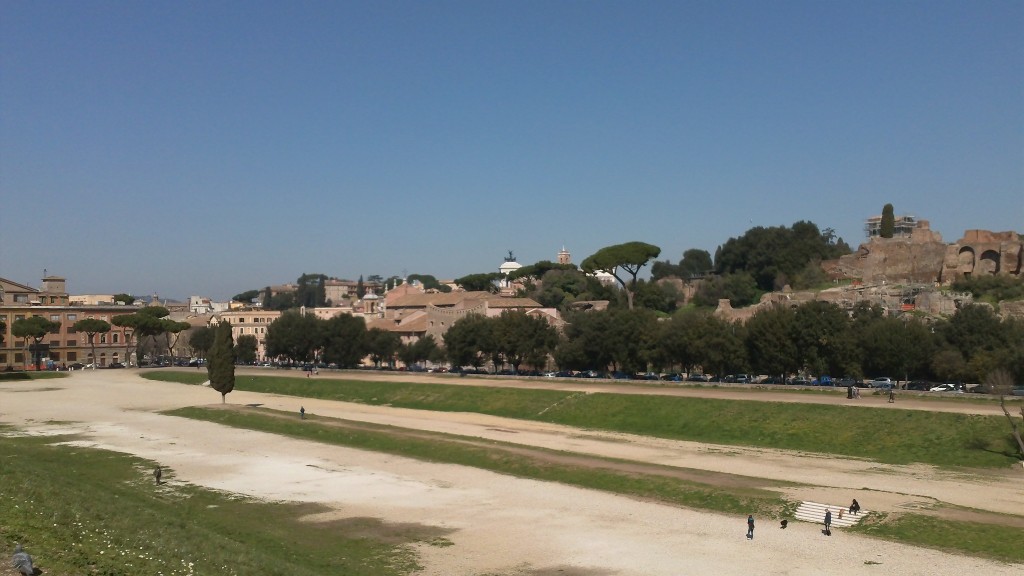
882, 382
115, 365
923, 385
672, 377
798, 381
76, 366
773, 380
823, 381
948, 387
847, 381
699, 378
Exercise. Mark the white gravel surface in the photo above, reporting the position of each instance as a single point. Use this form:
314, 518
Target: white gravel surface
506, 526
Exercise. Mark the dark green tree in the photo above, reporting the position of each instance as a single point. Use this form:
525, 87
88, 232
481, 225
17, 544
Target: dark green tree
696, 263
739, 288
664, 269
246, 297
773, 256
658, 296
360, 287
559, 288
902, 349
344, 340
465, 340
311, 291
34, 328
719, 345
585, 345
821, 336
421, 350
382, 345
629, 258
429, 282
221, 364
486, 282
294, 336
245, 349
632, 335
887, 227
91, 327
522, 337
200, 340
677, 341
770, 346
126, 299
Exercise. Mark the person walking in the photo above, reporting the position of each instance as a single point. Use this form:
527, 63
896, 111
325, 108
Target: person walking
302, 412
750, 527
828, 522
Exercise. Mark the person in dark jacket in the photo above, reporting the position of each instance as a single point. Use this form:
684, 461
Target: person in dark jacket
750, 527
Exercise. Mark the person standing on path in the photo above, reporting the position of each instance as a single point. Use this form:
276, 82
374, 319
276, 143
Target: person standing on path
828, 522
750, 527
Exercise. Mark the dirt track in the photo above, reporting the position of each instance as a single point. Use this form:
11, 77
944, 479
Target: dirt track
507, 526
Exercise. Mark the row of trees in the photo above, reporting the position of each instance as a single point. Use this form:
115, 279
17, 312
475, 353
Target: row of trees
815, 338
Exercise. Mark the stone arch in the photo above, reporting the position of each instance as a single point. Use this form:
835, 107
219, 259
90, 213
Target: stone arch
965, 261
988, 263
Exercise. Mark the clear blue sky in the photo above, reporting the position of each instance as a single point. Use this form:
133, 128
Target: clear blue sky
210, 148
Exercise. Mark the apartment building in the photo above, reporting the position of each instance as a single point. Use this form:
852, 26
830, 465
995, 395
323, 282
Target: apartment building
66, 346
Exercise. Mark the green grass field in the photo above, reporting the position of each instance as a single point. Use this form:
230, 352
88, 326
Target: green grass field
83, 511
888, 436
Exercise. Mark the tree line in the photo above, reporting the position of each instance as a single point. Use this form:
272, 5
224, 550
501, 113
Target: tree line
815, 338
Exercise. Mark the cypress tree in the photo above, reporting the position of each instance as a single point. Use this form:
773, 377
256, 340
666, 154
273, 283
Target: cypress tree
887, 227
221, 363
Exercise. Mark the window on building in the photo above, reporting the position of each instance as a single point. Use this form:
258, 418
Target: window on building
3, 357
54, 317
72, 317
21, 298
72, 356
72, 343
103, 338
116, 338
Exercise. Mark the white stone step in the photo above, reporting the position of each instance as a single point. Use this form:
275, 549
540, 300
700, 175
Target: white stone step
814, 513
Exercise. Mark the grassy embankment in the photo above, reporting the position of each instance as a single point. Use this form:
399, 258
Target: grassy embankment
85, 511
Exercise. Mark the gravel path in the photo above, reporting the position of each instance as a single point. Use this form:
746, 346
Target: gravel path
506, 526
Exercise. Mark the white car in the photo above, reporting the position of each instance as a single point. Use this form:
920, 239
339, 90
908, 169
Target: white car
948, 387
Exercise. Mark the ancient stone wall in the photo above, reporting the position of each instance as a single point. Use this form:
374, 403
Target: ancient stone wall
925, 258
